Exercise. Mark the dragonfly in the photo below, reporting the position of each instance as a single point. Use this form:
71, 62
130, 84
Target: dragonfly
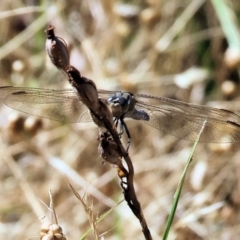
177, 118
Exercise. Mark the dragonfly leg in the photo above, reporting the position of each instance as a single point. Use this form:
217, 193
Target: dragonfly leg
116, 121
123, 126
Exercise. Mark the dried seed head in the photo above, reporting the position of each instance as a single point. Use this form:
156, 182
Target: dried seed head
59, 236
18, 66
229, 88
16, 122
57, 49
50, 236
150, 16
55, 228
123, 29
108, 149
32, 125
45, 227
232, 58
51, 231
15, 128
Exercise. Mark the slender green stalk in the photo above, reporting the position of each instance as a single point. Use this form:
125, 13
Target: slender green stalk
228, 22
180, 186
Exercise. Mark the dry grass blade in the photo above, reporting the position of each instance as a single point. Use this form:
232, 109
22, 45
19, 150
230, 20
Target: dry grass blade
179, 24
93, 220
24, 10
14, 43
26, 188
89, 212
70, 173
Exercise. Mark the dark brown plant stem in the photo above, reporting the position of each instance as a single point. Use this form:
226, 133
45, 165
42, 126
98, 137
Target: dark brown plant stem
102, 117
129, 192
87, 91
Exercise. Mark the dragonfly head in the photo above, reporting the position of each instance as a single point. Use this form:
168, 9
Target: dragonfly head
121, 103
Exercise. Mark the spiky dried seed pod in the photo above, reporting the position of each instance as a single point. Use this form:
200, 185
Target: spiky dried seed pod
57, 49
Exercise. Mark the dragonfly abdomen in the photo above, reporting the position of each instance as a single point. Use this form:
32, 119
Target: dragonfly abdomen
137, 114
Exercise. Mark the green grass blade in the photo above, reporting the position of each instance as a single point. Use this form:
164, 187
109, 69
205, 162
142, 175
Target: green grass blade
179, 188
228, 22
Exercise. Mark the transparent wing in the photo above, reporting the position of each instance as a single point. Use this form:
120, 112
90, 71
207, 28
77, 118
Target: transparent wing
174, 117
185, 120
59, 105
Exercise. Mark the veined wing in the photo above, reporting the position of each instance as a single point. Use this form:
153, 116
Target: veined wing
59, 105
185, 120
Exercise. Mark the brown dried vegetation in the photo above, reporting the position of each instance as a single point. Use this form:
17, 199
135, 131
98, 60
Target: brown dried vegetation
119, 47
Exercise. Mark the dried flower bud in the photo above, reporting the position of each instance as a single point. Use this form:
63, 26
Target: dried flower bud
57, 49
86, 88
108, 149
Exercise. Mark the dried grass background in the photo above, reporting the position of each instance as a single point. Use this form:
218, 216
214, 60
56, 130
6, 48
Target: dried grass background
120, 47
